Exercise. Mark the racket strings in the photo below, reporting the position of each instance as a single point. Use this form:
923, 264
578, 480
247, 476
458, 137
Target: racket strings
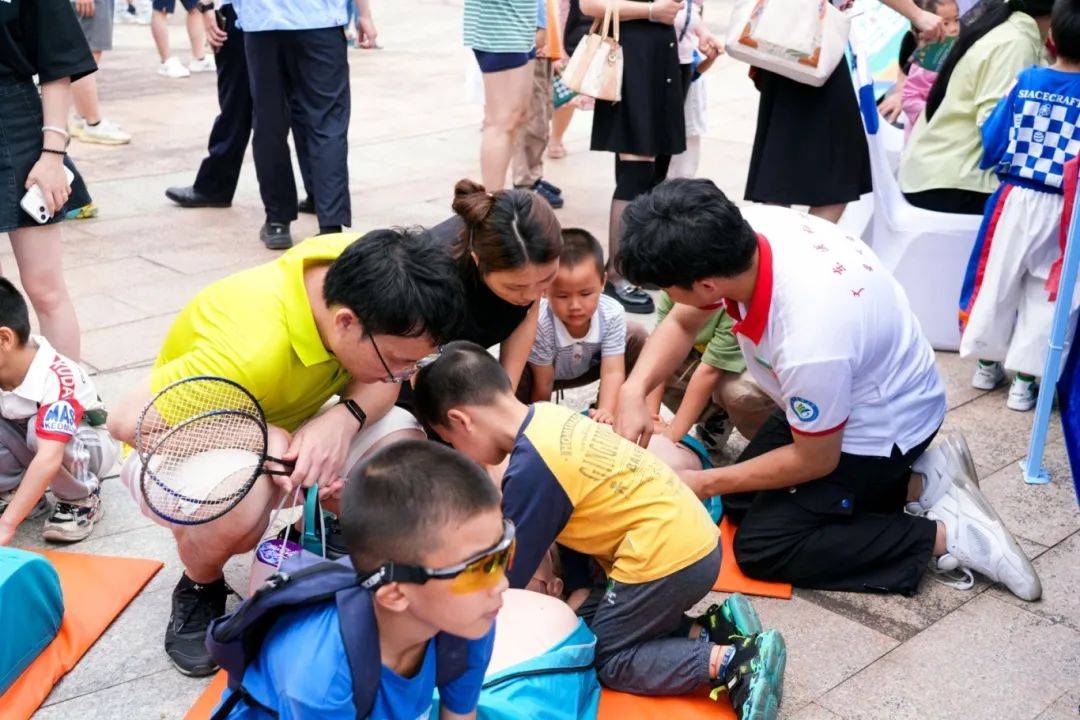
202, 442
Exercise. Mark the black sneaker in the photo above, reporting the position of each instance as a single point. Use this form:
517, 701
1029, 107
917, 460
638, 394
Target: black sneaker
276, 236
306, 206
714, 433
735, 618
754, 677
553, 198
633, 299
548, 186
193, 607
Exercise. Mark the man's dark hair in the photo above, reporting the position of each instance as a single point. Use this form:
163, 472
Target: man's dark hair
1065, 29
579, 246
681, 232
13, 311
464, 374
398, 499
399, 282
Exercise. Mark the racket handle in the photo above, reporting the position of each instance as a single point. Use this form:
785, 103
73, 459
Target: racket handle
285, 463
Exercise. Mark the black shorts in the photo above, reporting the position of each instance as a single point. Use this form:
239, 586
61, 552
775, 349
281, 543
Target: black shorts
20, 148
169, 6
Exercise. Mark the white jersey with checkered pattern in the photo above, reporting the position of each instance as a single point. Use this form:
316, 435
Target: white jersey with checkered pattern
1033, 130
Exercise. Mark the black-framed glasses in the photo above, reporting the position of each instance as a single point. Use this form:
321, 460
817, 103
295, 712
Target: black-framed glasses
401, 375
480, 572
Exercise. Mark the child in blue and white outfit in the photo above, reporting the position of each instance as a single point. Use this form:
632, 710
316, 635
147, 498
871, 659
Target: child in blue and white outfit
1005, 309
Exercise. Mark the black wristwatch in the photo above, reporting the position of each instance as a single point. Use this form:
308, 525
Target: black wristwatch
356, 410
206, 7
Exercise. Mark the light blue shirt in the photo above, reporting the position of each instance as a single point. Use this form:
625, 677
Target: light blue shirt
260, 15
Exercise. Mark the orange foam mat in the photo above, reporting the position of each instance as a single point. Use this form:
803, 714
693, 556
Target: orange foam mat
211, 696
613, 705
624, 706
96, 590
731, 578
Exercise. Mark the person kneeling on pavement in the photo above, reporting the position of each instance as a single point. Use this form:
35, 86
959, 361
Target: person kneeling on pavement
819, 493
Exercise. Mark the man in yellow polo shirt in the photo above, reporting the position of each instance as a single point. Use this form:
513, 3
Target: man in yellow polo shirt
335, 315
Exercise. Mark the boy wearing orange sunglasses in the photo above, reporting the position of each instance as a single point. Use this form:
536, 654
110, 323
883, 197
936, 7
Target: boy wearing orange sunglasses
572, 480
427, 538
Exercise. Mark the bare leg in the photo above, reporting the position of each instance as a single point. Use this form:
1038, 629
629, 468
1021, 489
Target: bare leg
560, 121
196, 32
506, 100
204, 549
160, 32
84, 92
38, 254
831, 213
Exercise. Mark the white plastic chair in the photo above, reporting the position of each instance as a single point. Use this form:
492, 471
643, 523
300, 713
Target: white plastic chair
926, 251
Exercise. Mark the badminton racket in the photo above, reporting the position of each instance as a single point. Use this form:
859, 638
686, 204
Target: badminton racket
202, 442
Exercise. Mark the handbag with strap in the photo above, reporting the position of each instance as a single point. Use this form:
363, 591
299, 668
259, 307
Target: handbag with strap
803, 40
596, 67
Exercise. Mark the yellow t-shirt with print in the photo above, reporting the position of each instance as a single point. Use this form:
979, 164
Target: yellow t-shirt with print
256, 328
575, 481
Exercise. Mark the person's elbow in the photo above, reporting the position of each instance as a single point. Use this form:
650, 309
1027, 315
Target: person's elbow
593, 8
121, 425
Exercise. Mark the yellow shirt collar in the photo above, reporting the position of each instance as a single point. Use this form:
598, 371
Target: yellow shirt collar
303, 333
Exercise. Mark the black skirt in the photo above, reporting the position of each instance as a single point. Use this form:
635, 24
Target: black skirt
20, 147
810, 146
649, 118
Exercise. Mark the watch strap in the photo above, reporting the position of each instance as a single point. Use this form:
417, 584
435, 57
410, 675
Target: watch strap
356, 410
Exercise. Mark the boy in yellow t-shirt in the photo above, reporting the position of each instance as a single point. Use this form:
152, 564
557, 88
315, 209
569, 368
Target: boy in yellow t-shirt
573, 480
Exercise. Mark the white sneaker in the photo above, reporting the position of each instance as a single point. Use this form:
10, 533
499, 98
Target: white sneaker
205, 65
73, 520
105, 132
75, 125
987, 377
976, 539
1023, 394
173, 68
947, 459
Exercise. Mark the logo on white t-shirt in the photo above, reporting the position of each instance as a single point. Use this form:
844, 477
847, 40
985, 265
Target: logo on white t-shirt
804, 409
60, 418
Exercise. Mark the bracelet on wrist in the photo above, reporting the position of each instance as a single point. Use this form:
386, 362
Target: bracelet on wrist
650, 12
62, 153
54, 129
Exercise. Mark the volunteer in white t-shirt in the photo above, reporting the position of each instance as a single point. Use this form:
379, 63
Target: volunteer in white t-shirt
819, 493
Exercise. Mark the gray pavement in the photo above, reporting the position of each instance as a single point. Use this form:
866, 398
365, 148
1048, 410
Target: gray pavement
942, 654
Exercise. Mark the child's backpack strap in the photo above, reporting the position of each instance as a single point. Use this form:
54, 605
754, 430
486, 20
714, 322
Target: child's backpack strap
234, 640
451, 658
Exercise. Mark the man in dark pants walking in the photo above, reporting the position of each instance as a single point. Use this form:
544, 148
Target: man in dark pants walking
299, 71
821, 491
215, 183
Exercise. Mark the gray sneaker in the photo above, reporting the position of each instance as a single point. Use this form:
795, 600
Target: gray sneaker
73, 520
40, 509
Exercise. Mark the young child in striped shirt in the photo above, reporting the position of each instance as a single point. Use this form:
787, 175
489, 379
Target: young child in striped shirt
1005, 306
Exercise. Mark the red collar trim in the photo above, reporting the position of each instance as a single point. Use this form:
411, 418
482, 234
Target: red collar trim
752, 327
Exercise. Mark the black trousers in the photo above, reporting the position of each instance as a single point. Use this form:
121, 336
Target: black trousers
846, 531
220, 170
302, 77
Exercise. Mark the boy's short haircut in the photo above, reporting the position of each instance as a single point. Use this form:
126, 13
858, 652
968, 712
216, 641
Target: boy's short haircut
682, 231
13, 311
1065, 29
463, 374
580, 245
397, 501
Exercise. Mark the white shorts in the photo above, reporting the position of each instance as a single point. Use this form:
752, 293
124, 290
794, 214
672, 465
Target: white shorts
395, 420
